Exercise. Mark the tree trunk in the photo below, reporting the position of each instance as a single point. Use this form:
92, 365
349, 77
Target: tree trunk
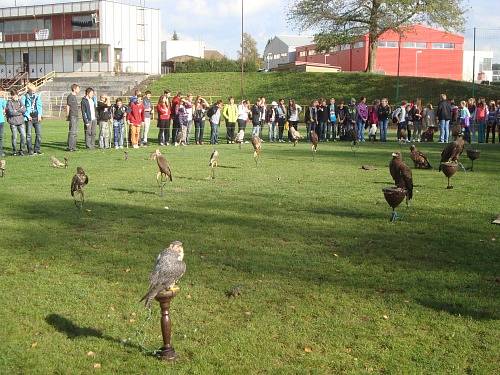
372, 54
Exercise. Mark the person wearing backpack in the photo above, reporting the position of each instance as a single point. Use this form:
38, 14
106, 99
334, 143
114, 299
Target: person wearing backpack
15, 117
481, 117
444, 117
383, 114
33, 118
214, 114
399, 118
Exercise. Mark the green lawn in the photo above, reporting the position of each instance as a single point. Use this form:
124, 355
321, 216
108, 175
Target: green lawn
328, 284
307, 86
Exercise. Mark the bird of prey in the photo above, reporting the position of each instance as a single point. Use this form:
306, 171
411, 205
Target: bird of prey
56, 163
240, 138
401, 174
125, 155
164, 172
452, 151
419, 158
79, 181
294, 135
257, 147
214, 162
314, 142
167, 271
2, 168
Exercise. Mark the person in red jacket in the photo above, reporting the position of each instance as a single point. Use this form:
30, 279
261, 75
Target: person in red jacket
163, 109
135, 120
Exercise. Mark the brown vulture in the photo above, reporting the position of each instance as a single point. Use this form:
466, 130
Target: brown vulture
79, 181
164, 172
314, 142
214, 162
401, 174
257, 147
419, 159
452, 151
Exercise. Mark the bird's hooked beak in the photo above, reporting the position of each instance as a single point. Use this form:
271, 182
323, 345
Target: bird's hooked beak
394, 155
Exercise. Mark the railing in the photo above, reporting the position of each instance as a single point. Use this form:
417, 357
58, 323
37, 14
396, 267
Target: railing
16, 81
39, 82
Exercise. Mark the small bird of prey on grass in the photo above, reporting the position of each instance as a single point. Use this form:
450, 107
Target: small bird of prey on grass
257, 147
214, 162
79, 181
56, 163
164, 172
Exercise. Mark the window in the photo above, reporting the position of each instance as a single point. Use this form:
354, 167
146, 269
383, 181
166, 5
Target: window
414, 45
27, 26
9, 57
2, 56
17, 57
276, 57
345, 47
84, 22
486, 64
48, 55
359, 45
284, 54
77, 56
86, 54
386, 44
302, 53
104, 54
443, 45
141, 32
312, 52
95, 54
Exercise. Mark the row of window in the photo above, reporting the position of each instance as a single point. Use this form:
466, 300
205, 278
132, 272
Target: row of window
90, 54
276, 56
45, 55
392, 44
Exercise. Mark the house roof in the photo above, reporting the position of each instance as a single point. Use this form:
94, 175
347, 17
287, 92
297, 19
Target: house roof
295, 40
213, 54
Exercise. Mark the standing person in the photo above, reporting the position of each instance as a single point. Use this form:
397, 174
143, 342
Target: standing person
148, 110
230, 114
189, 109
464, 116
498, 120
481, 117
331, 133
399, 117
15, 117
103, 118
361, 118
323, 115
383, 115
280, 119
444, 117
471, 106
263, 115
72, 117
119, 114
175, 119
243, 115
372, 121
311, 118
353, 114
272, 121
33, 118
429, 116
89, 117
343, 119
293, 113
256, 113
163, 110
3, 105
183, 118
135, 119
491, 122
215, 114
200, 110
417, 116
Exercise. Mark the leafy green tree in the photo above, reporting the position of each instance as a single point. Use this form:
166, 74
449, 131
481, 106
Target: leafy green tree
346, 21
250, 52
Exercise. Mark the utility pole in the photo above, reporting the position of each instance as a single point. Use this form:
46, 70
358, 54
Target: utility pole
399, 60
242, 56
474, 66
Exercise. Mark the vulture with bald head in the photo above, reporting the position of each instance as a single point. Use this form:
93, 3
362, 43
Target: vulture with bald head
401, 174
453, 150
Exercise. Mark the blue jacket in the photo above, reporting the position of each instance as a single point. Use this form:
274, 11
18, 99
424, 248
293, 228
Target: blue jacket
33, 103
3, 105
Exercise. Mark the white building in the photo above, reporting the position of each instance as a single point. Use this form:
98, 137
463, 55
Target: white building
483, 66
281, 49
176, 48
84, 36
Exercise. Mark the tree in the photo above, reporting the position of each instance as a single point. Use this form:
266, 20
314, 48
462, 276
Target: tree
175, 36
346, 21
250, 53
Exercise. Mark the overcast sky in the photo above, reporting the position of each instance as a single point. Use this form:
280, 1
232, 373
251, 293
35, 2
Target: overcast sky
217, 22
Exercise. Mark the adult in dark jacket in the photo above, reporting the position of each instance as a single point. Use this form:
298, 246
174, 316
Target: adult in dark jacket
15, 117
89, 117
444, 117
323, 116
383, 114
311, 118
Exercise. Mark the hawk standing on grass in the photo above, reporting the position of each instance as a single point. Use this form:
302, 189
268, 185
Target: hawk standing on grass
79, 181
169, 268
214, 162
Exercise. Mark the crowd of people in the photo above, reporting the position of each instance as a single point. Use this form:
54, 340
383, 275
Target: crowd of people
128, 122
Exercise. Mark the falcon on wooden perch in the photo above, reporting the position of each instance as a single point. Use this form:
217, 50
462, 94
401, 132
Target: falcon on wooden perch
452, 151
419, 159
401, 174
257, 147
2, 168
164, 173
214, 162
56, 163
79, 181
169, 268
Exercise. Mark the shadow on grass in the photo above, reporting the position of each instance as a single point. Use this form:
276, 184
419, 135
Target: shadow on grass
459, 310
74, 331
133, 191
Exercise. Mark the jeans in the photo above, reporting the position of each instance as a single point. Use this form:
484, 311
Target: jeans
189, 128
382, 124
230, 131
214, 133
491, 127
38, 135
164, 132
72, 132
145, 130
256, 130
310, 127
104, 134
118, 128
272, 131
417, 130
444, 130
175, 129
322, 131
481, 131
22, 132
199, 126
1, 138
242, 125
360, 127
281, 129
90, 130
331, 131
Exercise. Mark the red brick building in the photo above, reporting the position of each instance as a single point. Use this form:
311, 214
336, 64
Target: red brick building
424, 52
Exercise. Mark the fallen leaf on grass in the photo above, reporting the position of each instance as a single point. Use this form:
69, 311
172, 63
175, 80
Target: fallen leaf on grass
385, 317
90, 354
248, 313
131, 320
34, 344
97, 365
188, 296
307, 349
127, 270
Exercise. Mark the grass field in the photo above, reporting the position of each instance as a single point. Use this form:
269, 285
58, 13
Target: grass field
328, 284
305, 87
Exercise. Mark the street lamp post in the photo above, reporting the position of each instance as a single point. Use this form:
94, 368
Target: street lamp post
416, 62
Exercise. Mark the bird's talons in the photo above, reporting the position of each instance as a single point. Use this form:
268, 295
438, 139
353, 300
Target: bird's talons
394, 216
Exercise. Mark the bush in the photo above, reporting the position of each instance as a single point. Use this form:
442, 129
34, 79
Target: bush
211, 65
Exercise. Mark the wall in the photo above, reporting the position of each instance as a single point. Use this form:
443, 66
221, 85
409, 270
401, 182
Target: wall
276, 46
175, 48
